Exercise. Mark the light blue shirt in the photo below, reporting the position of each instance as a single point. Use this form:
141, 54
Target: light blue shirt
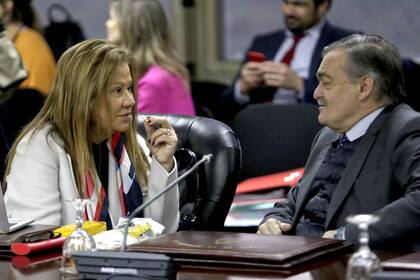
360, 128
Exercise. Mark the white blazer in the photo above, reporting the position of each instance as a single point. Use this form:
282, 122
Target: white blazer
40, 184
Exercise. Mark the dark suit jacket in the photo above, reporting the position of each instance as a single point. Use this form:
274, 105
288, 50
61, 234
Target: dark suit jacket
269, 45
382, 177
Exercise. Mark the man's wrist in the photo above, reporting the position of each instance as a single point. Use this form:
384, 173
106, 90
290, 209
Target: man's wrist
238, 96
244, 90
298, 85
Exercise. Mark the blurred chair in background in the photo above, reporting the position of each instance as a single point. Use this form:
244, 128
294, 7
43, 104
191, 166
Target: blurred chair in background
207, 96
276, 141
64, 33
275, 138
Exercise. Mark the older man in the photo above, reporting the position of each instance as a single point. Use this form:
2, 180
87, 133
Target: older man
366, 159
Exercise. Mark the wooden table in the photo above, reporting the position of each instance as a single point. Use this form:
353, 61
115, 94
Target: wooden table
332, 268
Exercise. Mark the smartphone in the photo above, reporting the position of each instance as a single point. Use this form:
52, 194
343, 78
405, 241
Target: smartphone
255, 56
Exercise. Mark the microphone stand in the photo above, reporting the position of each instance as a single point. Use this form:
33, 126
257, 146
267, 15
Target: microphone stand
205, 158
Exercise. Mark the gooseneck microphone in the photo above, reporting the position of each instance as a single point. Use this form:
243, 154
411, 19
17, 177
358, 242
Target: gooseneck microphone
205, 158
132, 264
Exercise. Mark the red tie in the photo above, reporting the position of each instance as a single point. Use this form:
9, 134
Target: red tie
287, 58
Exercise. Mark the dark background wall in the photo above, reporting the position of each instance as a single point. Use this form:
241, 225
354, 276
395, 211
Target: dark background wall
396, 20
92, 14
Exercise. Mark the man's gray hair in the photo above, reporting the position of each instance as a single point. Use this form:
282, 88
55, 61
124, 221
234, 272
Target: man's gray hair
372, 55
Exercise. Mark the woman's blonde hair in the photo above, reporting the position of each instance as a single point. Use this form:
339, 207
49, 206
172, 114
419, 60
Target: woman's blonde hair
144, 30
84, 74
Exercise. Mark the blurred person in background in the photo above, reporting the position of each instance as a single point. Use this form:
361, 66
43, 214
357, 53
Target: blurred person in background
12, 73
285, 72
24, 30
142, 27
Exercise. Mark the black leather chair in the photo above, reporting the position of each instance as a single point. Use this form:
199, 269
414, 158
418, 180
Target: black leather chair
214, 185
275, 138
208, 100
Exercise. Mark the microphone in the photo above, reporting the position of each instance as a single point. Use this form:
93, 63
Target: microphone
132, 263
205, 158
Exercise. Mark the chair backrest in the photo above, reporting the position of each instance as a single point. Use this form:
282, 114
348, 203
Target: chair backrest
274, 137
218, 178
207, 98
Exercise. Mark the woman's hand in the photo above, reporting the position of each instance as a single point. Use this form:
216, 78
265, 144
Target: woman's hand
161, 140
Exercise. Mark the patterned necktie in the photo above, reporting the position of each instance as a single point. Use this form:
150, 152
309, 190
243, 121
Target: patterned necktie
287, 58
343, 140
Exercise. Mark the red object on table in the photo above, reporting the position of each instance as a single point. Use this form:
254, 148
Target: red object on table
32, 247
288, 178
22, 262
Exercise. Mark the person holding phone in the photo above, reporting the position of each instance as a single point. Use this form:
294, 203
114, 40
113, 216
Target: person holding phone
284, 72
84, 144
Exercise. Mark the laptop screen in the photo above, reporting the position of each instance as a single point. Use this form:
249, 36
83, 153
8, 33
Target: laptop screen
4, 222
5, 227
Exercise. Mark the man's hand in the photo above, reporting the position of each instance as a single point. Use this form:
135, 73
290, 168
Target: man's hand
280, 75
251, 77
273, 227
329, 234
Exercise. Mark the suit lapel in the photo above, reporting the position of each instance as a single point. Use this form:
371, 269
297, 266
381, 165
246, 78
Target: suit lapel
350, 174
272, 46
354, 166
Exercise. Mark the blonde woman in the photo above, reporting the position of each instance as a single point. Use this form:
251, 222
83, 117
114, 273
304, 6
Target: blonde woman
163, 83
84, 143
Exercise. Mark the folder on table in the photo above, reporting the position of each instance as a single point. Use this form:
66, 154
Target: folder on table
241, 250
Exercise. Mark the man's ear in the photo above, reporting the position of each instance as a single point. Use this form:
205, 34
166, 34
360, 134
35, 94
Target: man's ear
322, 9
366, 87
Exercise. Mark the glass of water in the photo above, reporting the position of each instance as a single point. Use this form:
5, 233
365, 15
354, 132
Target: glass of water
363, 262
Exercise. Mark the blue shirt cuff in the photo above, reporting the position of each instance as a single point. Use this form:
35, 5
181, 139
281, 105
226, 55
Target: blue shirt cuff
340, 233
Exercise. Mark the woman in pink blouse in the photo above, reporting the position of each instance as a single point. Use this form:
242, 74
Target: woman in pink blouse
163, 85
